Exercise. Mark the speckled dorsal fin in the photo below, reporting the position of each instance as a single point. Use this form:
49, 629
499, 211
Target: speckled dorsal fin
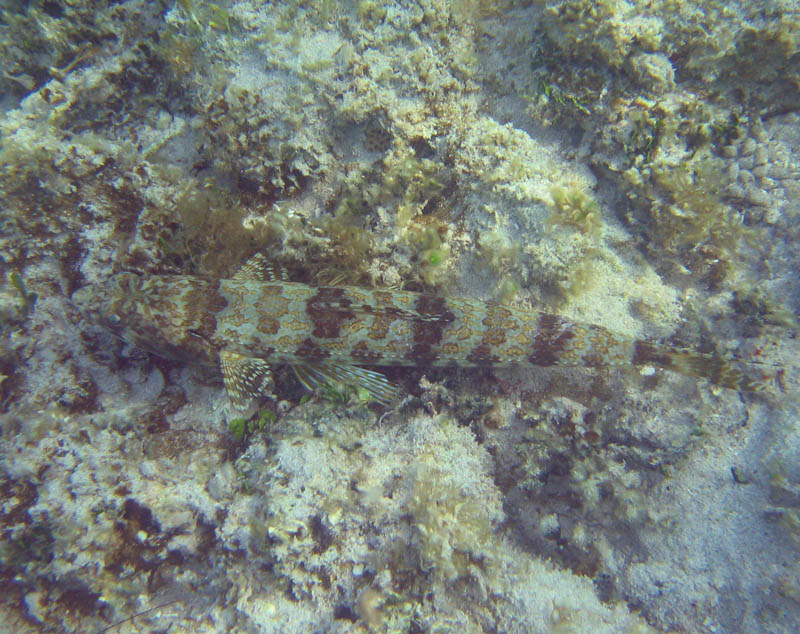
245, 377
259, 269
380, 389
331, 277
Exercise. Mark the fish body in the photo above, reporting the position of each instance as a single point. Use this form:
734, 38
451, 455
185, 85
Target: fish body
246, 323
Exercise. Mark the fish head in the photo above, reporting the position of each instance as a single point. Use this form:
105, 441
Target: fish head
156, 313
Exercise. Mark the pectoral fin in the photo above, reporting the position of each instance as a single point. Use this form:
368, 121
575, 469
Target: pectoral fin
245, 377
379, 388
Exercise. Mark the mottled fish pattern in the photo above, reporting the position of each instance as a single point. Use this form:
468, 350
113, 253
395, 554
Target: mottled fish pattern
327, 333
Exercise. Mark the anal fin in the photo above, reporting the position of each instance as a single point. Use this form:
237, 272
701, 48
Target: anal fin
379, 388
245, 377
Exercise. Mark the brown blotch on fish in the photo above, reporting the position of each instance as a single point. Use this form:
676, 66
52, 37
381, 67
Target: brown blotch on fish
429, 326
328, 310
494, 337
451, 349
383, 298
498, 317
593, 360
483, 355
422, 354
273, 305
312, 351
380, 325
268, 325
551, 340
433, 317
362, 354
462, 333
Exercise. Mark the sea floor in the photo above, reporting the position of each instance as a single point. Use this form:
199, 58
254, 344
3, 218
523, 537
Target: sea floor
632, 165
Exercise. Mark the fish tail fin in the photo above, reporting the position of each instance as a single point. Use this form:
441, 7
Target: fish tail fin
730, 373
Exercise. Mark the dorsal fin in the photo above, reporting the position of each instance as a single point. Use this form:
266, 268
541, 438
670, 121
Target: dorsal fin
260, 269
335, 277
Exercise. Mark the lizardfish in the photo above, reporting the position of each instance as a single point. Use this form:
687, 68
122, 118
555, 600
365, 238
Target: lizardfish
253, 320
